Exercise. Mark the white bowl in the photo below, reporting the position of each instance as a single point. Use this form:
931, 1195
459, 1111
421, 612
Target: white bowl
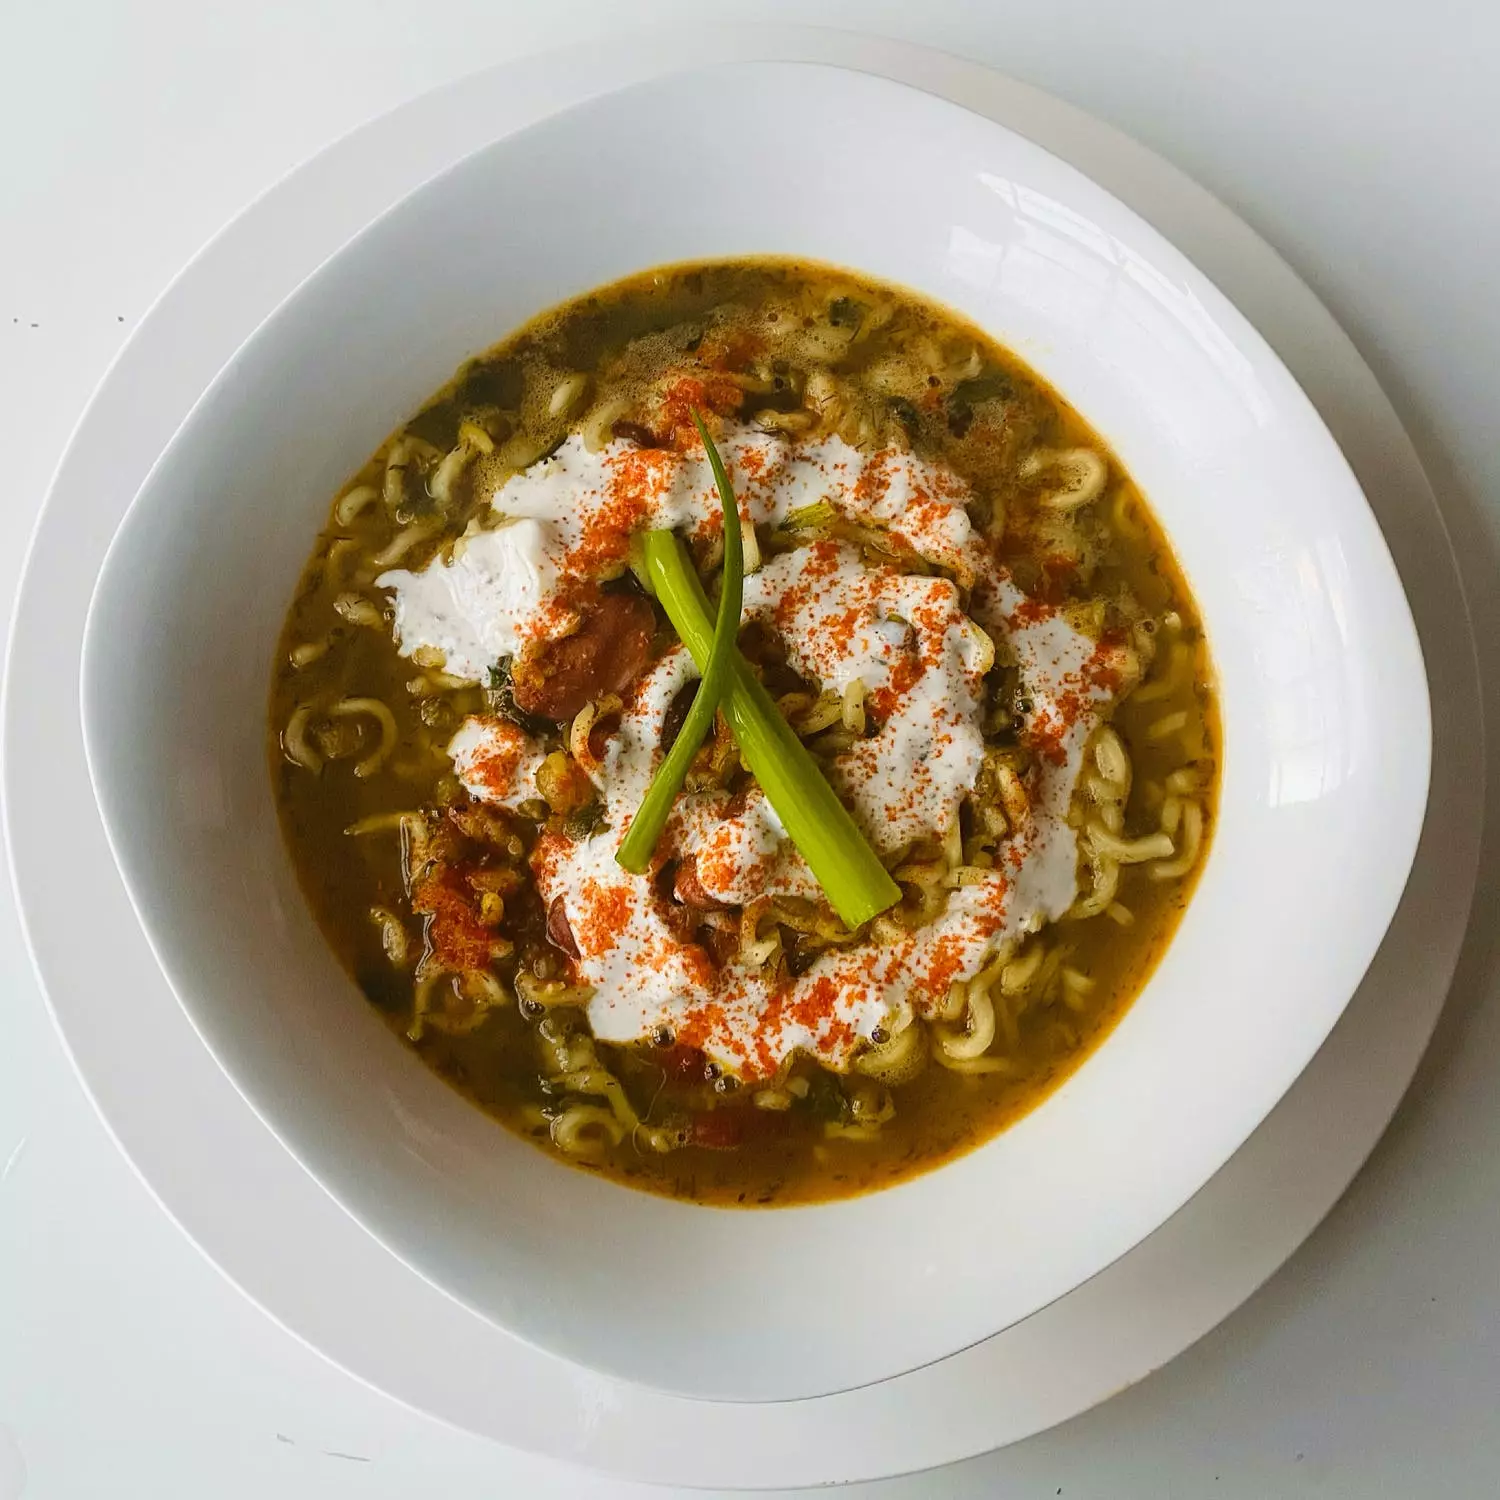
1323, 694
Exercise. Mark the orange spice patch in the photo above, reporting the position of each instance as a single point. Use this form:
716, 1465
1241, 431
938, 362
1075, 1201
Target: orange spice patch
547, 854
1029, 612
713, 392
822, 562
1102, 673
751, 464
456, 936
1059, 574
1044, 733
943, 966
638, 478
495, 767
720, 867
906, 672
604, 914
700, 1026
875, 480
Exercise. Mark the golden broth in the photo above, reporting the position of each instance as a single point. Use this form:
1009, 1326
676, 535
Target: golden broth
912, 374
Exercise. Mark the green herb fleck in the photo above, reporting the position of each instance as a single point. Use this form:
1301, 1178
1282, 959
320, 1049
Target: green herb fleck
845, 312
500, 697
586, 821
824, 1099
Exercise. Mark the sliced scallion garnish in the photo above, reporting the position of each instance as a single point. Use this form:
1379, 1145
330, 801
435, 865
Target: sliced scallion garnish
857, 885
646, 827
853, 879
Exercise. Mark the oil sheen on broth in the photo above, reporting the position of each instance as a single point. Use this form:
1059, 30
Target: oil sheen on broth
960, 602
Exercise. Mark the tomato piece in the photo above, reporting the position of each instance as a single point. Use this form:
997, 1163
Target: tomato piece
609, 650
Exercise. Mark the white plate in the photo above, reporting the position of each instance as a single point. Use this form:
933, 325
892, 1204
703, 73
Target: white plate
1311, 638
451, 1363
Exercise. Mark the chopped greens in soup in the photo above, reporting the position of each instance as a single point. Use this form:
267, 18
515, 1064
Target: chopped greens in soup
953, 596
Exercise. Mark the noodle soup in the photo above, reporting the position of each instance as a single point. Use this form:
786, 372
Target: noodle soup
956, 599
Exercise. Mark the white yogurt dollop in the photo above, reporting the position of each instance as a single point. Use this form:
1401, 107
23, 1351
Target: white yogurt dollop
496, 760
473, 609
902, 638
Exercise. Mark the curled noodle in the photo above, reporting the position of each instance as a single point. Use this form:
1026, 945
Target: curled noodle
585, 1130
898, 1060
566, 395
852, 707
1192, 840
978, 1033
358, 610
385, 720
480, 991
402, 543
1084, 475
551, 994
1128, 851
393, 936
597, 429
307, 653
295, 742
352, 505
583, 723
397, 462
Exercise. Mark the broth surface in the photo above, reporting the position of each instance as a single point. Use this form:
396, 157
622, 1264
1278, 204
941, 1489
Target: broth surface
382, 832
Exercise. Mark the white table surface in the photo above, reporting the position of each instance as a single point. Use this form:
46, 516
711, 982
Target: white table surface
1356, 135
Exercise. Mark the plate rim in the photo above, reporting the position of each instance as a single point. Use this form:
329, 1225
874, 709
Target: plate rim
864, 55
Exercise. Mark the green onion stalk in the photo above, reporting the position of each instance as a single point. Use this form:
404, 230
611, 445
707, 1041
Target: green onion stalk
857, 885
651, 818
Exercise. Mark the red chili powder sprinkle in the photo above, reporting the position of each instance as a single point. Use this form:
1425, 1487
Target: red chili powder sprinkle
458, 939
638, 478
931, 621
1059, 571
840, 629
923, 511
721, 869
1105, 669
814, 1008
751, 464
944, 965
711, 393
710, 1024
545, 855
874, 481
495, 768
821, 562
906, 672
604, 914
1029, 612
700, 1025
1045, 734
1101, 673
699, 965
560, 613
